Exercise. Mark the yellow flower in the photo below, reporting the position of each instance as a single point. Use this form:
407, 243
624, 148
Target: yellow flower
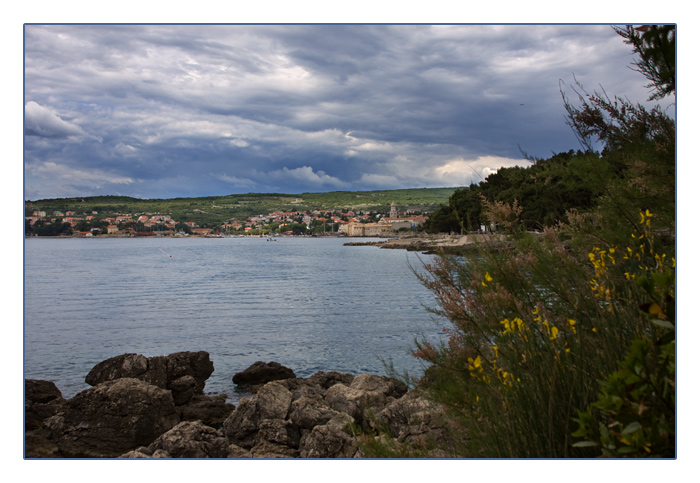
487, 278
475, 364
572, 324
554, 333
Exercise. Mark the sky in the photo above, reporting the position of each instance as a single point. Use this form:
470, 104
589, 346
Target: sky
173, 110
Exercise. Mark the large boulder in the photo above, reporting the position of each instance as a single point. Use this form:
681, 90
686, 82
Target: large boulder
184, 373
112, 418
262, 373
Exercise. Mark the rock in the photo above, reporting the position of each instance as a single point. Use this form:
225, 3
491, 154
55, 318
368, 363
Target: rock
157, 373
269, 450
195, 364
235, 451
279, 432
161, 371
192, 439
242, 425
347, 400
125, 365
385, 385
211, 410
42, 399
112, 418
261, 373
38, 444
143, 407
183, 388
271, 402
330, 440
141, 454
308, 412
329, 379
366, 395
415, 420
144, 452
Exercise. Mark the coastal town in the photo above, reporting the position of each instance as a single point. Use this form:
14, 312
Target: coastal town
290, 223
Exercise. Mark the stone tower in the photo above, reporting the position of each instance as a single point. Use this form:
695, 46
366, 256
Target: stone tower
393, 213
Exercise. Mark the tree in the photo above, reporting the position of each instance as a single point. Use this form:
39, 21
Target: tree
656, 47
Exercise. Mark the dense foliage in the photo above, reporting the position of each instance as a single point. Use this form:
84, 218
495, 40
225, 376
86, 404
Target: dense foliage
563, 344
545, 191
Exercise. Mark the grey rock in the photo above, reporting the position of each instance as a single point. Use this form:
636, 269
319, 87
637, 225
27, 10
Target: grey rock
161, 371
235, 451
112, 418
211, 410
125, 365
42, 399
262, 373
192, 439
330, 440
307, 412
271, 402
279, 432
183, 389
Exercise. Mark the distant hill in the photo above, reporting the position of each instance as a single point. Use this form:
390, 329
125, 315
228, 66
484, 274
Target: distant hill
215, 210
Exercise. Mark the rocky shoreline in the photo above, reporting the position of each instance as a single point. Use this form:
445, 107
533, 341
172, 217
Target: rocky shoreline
140, 407
440, 244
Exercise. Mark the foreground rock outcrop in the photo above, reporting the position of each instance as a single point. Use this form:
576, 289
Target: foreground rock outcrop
153, 408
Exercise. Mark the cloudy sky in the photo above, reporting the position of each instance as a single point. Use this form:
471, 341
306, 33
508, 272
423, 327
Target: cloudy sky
162, 111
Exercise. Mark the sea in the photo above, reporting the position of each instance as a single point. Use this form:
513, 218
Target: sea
311, 304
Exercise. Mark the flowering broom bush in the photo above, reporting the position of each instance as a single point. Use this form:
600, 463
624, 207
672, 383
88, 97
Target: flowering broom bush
533, 329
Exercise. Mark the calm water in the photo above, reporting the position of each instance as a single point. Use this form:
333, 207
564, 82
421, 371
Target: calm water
309, 303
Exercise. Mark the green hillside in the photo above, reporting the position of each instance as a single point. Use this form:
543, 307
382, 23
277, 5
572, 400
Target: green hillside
215, 210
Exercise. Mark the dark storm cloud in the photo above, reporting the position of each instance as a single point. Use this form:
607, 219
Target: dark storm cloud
189, 110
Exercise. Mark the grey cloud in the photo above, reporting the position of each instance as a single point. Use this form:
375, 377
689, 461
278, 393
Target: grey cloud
42, 121
188, 110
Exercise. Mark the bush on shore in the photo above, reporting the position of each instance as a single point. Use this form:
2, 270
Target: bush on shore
564, 346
